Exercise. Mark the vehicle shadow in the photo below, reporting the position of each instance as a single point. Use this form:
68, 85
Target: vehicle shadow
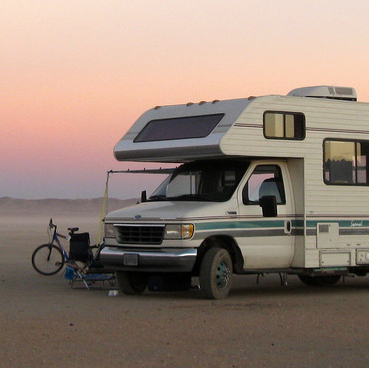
270, 286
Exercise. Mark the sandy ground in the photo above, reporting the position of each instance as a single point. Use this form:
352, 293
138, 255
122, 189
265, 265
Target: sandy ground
45, 323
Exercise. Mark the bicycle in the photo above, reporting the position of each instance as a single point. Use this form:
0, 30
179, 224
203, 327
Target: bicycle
82, 263
48, 259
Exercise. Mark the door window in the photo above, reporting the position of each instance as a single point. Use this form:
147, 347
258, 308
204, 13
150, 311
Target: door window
266, 180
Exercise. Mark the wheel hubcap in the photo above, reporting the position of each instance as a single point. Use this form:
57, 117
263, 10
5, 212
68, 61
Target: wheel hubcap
223, 275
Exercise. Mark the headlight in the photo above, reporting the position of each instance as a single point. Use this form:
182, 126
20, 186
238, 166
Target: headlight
109, 231
180, 231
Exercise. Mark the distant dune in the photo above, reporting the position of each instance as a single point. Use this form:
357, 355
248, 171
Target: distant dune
59, 206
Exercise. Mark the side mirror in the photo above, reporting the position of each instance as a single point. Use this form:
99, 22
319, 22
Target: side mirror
268, 205
143, 196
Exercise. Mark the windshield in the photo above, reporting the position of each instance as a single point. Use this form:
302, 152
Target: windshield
202, 181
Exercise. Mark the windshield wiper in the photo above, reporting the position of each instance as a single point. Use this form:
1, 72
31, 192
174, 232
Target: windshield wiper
158, 198
191, 197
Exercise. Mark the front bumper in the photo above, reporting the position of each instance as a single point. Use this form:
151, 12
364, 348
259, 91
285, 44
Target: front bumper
158, 260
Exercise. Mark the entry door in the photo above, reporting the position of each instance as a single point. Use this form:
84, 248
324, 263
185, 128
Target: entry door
267, 242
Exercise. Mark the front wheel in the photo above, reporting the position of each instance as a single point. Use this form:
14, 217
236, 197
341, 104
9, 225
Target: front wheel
47, 259
216, 273
131, 283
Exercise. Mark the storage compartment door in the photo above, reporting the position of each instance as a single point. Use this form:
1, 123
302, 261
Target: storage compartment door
327, 235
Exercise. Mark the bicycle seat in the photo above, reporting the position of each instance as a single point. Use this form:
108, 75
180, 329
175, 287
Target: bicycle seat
73, 229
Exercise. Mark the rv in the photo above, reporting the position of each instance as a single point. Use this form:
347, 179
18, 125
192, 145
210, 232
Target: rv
269, 184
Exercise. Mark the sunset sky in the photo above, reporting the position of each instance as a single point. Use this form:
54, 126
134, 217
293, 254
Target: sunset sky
76, 74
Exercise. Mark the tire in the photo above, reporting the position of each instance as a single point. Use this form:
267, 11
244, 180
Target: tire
132, 283
216, 273
319, 280
47, 259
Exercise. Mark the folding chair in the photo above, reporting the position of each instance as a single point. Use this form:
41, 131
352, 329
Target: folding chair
83, 264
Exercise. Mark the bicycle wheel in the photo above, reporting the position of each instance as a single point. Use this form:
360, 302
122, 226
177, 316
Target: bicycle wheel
47, 259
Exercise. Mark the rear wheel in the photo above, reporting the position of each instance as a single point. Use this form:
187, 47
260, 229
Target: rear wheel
47, 259
319, 280
131, 283
216, 273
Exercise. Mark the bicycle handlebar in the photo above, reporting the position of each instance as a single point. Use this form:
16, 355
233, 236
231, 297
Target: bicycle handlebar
51, 225
72, 230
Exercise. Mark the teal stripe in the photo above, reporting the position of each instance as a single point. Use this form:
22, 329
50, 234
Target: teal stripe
214, 225
297, 223
239, 225
342, 223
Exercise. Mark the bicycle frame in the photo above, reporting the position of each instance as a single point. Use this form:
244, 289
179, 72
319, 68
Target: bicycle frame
55, 238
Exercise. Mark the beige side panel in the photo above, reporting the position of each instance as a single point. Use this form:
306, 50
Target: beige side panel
335, 259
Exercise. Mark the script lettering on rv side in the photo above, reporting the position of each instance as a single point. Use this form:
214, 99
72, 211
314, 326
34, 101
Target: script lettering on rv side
356, 223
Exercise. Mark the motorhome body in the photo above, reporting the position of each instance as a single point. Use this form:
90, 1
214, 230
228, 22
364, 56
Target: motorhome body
269, 184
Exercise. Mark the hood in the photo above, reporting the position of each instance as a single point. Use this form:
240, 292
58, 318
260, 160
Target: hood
167, 210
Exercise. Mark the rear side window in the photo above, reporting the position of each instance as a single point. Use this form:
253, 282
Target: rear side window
346, 162
179, 128
284, 125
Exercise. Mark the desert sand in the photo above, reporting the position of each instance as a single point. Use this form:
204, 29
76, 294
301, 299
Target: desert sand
45, 323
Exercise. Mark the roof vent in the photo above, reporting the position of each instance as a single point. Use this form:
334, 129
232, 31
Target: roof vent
332, 92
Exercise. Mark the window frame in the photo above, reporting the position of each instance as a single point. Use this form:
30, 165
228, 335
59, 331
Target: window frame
355, 142
285, 113
144, 134
245, 190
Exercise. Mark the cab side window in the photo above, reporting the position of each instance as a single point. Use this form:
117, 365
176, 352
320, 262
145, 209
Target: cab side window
266, 180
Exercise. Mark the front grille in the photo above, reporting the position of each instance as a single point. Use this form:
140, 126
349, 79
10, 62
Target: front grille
139, 234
